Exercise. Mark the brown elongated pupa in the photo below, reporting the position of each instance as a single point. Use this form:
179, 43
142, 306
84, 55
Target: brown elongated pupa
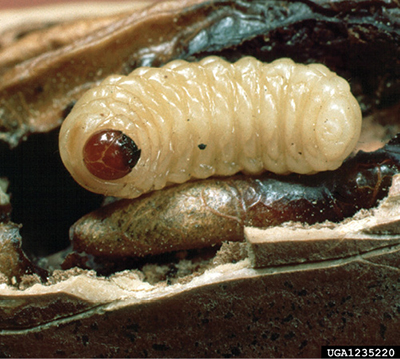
204, 213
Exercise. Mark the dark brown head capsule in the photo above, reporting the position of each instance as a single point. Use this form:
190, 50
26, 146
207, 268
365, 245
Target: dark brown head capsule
110, 154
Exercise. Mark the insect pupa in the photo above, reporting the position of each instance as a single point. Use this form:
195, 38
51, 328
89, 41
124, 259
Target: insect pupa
196, 120
225, 206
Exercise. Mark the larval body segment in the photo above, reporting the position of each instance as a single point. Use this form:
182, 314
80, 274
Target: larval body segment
195, 120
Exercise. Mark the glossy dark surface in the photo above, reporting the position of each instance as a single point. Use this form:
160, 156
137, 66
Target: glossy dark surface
110, 155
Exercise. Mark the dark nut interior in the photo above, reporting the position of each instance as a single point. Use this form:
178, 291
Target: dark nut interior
359, 41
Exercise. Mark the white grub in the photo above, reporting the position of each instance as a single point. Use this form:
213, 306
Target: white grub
196, 120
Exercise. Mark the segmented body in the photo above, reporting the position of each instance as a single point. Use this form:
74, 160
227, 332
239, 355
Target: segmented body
196, 120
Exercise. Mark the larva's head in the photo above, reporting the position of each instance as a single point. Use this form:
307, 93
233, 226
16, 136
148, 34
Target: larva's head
109, 154
104, 155
103, 148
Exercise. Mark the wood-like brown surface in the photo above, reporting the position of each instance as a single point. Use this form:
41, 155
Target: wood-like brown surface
18, 4
280, 310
